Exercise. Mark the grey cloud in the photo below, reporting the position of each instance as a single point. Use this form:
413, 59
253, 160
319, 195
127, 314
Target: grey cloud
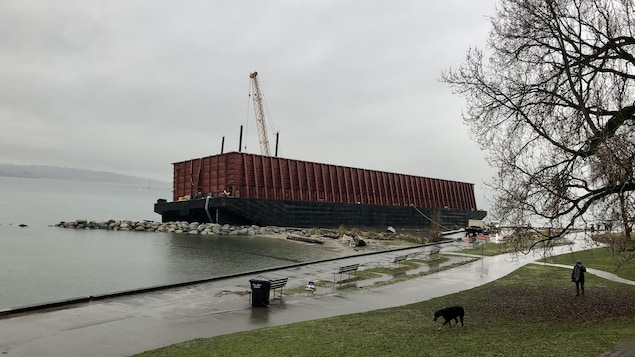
132, 86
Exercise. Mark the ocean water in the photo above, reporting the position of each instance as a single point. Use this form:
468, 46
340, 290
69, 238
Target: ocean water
42, 263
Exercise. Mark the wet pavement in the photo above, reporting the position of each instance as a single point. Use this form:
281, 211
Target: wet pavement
127, 325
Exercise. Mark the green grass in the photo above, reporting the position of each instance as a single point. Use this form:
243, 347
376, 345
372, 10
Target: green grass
490, 249
531, 312
598, 258
398, 273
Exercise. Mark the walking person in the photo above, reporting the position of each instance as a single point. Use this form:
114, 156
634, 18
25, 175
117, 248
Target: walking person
577, 276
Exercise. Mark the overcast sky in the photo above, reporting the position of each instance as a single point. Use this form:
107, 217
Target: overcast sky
131, 86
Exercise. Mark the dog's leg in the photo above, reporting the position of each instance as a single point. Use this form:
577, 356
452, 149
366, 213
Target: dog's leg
446, 322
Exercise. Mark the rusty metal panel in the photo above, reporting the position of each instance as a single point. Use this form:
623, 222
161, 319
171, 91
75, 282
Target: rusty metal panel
363, 197
341, 188
324, 190
383, 192
310, 182
257, 176
319, 181
300, 169
287, 180
431, 192
259, 180
351, 190
434, 193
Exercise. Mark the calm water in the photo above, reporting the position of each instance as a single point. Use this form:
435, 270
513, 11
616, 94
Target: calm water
40, 263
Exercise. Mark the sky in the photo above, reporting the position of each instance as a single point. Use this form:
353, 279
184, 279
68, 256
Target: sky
132, 86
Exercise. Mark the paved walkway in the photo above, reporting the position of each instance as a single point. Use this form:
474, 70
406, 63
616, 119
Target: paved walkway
600, 273
132, 324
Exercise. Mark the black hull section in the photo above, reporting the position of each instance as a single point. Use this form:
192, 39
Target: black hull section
281, 213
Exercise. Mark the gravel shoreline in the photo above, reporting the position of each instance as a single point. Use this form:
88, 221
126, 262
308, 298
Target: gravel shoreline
329, 240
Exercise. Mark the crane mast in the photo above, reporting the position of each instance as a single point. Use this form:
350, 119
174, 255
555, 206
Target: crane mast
260, 114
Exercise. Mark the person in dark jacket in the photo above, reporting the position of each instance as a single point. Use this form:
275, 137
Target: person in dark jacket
577, 276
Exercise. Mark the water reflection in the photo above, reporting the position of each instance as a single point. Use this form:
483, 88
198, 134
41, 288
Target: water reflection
42, 264
210, 256
259, 315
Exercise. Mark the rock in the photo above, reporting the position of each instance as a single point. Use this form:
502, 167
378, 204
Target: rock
216, 228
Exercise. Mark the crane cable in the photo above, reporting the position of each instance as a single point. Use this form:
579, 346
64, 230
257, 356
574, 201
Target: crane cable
249, 105
428, 218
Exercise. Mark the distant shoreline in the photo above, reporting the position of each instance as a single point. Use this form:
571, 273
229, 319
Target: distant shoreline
63, 173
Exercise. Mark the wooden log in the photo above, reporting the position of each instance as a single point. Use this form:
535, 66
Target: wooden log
305, 239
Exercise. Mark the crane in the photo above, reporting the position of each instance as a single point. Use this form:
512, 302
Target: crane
260, 114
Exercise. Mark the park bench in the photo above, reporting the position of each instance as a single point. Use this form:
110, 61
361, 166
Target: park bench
433, 254
399, 259
345, 270
278, 284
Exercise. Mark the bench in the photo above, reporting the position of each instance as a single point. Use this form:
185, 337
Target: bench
433, 254
345, 269
399, 259
278, 284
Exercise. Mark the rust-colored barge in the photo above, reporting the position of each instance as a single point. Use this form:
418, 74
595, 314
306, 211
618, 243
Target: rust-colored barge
242, 188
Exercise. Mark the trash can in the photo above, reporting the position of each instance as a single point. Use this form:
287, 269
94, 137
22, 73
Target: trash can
260, 292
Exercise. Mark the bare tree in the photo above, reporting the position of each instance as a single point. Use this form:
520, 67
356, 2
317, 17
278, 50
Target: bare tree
553, 106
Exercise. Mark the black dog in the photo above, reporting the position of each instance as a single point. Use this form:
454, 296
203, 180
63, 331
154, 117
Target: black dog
450, 313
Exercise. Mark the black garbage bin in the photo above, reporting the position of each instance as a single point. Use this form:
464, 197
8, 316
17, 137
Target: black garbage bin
260, 292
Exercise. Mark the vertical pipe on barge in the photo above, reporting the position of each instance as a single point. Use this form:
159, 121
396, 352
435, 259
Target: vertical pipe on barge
222, 145
240, 139
277, 138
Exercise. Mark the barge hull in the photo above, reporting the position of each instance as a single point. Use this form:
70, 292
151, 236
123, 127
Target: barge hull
288, 213
244, 189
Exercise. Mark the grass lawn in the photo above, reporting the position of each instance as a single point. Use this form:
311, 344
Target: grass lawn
531, 312
597, 258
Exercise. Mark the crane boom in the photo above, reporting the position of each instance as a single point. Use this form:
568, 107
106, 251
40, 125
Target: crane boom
260, 114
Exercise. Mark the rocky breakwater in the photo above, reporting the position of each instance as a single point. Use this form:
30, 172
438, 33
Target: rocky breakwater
171, 227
